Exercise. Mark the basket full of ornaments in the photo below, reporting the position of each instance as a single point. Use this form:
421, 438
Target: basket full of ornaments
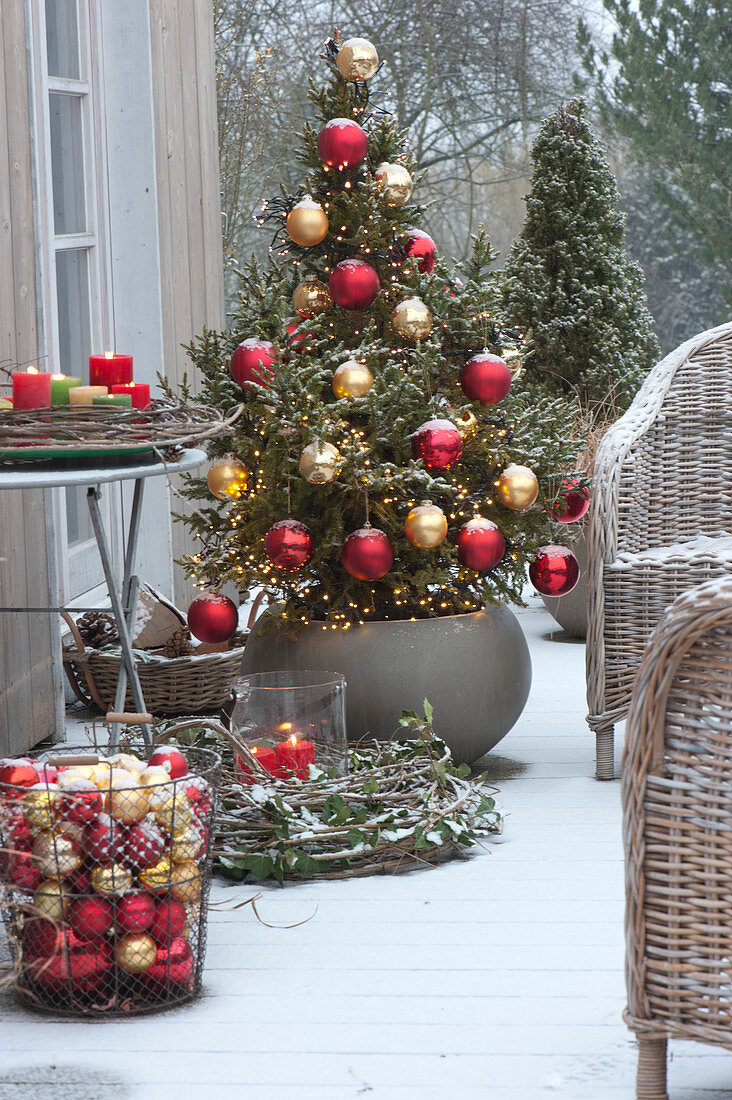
105, 866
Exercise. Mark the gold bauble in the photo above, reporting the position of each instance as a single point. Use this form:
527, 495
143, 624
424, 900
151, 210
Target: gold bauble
41, 806
157, 877
517, 487
126, 801
136, 953
514, 361
426, 525
52, 899
319, 463
127, 761
307, 223
357, 59
186, 844
352, 379
312, 297
172, 808
465, 422
71, 775
111, 878
185, 882
227, 478
155, 776
55, 855
412, 319
395, 182
100, 774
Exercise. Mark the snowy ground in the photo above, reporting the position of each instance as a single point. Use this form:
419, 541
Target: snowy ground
500, 977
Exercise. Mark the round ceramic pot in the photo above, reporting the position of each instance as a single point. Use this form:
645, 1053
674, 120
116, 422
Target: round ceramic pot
475, 670
570, 611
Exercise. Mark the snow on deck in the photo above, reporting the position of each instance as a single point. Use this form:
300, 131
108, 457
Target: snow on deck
500, 977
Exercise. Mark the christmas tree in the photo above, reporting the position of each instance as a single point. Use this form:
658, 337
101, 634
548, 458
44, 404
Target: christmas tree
569, 283
386, 464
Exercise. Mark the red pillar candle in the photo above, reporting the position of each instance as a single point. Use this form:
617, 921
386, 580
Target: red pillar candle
294, 756
31, 389
266, 758
109, 369
138, 391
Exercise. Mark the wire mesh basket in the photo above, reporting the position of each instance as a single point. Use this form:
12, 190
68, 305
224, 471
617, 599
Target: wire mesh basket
105, 866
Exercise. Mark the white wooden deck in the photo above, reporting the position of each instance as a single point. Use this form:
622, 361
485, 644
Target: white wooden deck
500, 977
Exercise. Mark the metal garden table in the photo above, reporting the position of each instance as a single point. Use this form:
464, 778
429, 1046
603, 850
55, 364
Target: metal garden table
124, 599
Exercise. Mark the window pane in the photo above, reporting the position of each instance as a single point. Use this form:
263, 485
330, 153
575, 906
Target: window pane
62, 38
78, 520
74, 319
67, 163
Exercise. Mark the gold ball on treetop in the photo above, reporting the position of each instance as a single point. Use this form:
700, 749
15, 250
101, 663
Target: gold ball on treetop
426, 525
357, 59
319, 463
352, 379
412, 319
227, 478
312, 297
396, 183
307, 223
517, 487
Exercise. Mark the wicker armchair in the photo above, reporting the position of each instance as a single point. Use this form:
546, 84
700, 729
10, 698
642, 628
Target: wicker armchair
677, 831
661, 520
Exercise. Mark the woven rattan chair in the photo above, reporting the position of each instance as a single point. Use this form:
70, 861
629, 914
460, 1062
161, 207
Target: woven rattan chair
661, 519
677, 830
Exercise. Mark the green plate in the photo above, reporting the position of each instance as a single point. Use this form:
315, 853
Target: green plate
39, 454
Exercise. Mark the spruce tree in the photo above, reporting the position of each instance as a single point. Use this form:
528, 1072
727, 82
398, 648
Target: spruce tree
291, 409
569, 283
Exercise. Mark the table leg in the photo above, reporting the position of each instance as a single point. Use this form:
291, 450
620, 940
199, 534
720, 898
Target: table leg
130, 587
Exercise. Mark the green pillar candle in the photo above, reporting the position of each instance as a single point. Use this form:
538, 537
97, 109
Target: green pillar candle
60, 386
115, 400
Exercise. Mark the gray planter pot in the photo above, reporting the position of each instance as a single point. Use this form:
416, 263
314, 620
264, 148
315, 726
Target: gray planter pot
474, 669
570, 611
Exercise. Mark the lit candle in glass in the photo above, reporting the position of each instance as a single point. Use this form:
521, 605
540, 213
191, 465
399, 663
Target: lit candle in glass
31, 389
138, 391
266, 757
60, 386
82, 395
294, 756
109, 369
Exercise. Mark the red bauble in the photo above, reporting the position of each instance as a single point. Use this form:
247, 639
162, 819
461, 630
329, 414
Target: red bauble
135, 912
174, 967
79, 882
169, 755
46, 773
58, 961
16, 830
423, 248
143, 845
342, 143
297, 339
353, 284
82, 802
485, 378
169, 921
573, 502
438, 443
367, 554
253, 361
289, 544
199, 795
480, 544
23, 873
91, 918
103, 839
19, 774
554, 571
213, 617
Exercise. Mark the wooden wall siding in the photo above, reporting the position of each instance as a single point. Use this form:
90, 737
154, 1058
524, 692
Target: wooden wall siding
28, 696
189, 205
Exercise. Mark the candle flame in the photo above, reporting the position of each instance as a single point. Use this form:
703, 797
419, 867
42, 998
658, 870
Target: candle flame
109, 355
284, 726
32, 370
254, 750
58, 377
293, 740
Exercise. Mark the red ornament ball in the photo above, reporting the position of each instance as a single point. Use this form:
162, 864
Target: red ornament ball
91, 918
438, 443
169, 920
16, 829
66, 963
166, 754
82, 802
573, 502
480, 544
47, 773
19, 774
103, 839
174, 967
22, 872
342, 143
367, 554
199, 796
288, 545
423, 248
554, 570
253, 361
485, 378
213, 617
353, 284
297, 339
143, 845
135, 912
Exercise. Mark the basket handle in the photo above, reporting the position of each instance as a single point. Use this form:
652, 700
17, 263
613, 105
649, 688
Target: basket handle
81, 652
80, 647
256, 604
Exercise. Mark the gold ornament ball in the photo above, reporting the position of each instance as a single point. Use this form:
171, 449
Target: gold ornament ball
319, 463
55, 855
126, 801
156, 776
172, 808
51, 899
136, 953
185, 882
41, 807
111, 878
395, 182
307, 223
157, 877
517, 487
357, 59
352, 379
513, 360
312, 297
412, 319
426, 525
186, 844
100, 774
465, 422
128, 762
227, 478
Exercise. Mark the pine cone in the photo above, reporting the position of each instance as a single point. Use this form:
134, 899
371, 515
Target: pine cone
238, 639
179, 643
97, 629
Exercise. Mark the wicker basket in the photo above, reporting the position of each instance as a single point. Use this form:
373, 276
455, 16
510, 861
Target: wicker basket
170, 686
